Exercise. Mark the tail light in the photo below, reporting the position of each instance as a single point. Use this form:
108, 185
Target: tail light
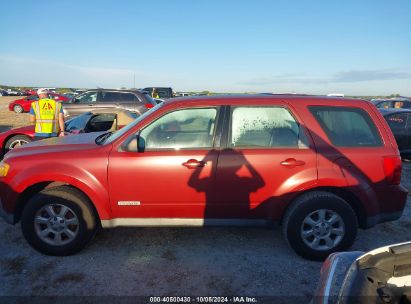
149, 105
392, 169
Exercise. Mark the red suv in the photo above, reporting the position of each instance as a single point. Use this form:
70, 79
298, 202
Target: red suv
318, 166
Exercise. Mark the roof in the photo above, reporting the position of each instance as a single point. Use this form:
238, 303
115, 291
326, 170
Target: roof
261, 97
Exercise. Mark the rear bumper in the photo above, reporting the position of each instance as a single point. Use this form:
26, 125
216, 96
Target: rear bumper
382, 217
392, 203
8, 217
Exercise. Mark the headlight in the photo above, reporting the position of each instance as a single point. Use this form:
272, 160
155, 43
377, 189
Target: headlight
4, 169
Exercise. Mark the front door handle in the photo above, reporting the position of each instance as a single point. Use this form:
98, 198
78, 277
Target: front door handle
292, 162
193, 163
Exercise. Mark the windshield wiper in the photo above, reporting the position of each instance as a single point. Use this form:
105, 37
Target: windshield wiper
102, 138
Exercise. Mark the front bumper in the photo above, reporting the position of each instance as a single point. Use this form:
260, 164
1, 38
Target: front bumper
9, 218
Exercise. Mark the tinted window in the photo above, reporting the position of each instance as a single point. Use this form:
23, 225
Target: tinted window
397, 121
385, 104
191, 128
347, 127
110, 97
128, 97
33, 97
264, 127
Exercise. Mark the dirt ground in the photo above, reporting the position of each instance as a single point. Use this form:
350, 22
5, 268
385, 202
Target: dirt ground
172, 262
8, 119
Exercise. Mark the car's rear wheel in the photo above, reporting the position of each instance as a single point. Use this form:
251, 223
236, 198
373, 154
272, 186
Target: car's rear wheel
318, 224
58, 221
16, 141
18, 108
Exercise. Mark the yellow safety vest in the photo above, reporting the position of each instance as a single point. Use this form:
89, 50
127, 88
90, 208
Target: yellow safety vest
47, 112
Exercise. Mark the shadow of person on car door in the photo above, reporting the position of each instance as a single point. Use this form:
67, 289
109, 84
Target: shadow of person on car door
228, 194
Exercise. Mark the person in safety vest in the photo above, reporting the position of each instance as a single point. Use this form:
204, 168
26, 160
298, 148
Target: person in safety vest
154, 94
48, 116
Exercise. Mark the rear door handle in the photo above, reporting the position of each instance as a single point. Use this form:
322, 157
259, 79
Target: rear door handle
292, 162
193, 163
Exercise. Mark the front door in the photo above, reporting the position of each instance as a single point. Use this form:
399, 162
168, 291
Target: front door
268, 157
175, 175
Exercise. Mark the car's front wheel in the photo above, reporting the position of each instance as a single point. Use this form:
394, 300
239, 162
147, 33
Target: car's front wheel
318, 224
58, 221
18, 108
16, 141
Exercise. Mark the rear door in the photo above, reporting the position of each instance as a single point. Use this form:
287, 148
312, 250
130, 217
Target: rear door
268, 158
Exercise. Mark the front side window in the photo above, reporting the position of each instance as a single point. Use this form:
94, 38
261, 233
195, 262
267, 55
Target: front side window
90, 97
183, 129
268, 127
347, 127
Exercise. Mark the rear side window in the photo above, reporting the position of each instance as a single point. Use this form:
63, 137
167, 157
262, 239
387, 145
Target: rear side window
265, 127
347, 127
109, 96
129, 97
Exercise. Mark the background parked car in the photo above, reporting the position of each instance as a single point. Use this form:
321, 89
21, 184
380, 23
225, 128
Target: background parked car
24, 104
399, 103
131, 100
163, 92
399, 121
3, 93
93, 121
382, 275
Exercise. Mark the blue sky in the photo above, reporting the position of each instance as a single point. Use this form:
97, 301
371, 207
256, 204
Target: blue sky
352, 47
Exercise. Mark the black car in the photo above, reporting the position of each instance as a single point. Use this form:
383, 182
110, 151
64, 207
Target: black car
398, 103
163, 92
399, 121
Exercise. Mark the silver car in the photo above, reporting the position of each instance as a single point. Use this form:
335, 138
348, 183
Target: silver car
130, 100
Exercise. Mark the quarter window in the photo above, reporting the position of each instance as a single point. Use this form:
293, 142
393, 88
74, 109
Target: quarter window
347, 127
183, 129
265, 127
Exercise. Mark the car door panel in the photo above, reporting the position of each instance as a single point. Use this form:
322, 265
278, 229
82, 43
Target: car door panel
174, 177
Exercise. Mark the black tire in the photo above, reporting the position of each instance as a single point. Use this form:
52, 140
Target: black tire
310, 203
13, 142
18, 108
80, 206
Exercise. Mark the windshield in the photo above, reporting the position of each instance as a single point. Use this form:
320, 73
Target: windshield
124, 130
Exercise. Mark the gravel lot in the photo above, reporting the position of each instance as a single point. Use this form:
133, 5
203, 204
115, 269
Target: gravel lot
178, 261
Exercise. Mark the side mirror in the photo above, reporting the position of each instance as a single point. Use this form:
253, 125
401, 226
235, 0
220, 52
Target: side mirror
141, 143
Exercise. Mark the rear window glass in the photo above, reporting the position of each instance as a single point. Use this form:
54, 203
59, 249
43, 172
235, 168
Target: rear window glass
347, 127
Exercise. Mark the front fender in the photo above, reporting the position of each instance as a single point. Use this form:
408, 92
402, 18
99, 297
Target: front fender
92, 184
